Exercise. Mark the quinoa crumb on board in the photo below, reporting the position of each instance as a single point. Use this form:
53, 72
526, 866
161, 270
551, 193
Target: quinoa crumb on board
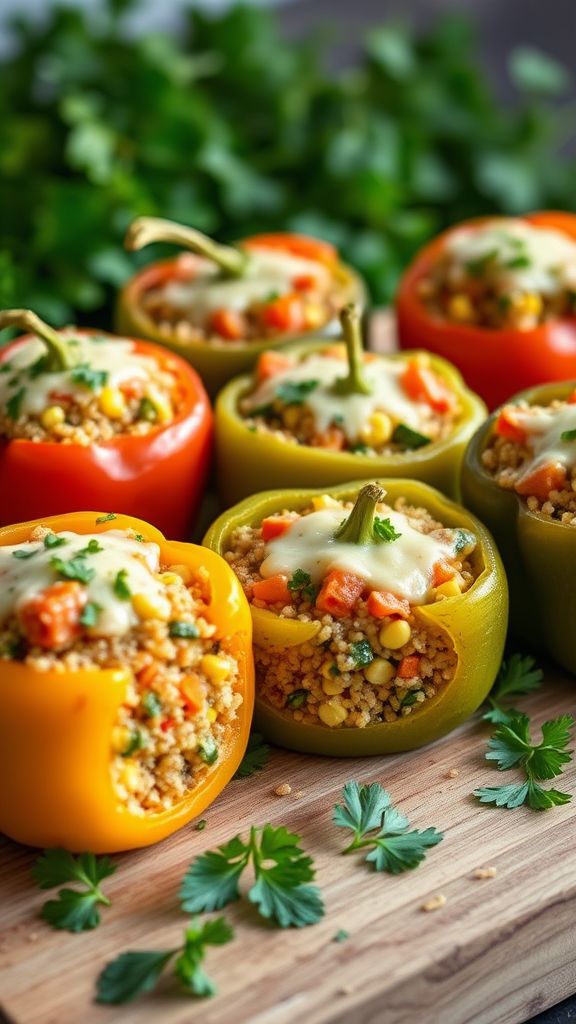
284, 789
434, 903
484, 873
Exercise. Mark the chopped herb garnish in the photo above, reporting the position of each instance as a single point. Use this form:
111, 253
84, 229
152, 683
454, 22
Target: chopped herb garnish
465, 542
359, 448
136, 742
408, 438
255, 758
518, 263
478, 266
338, 420
369, 813
568, 435
6, 368
208, 750
73, 569
151, 704
139, 538
24, 553
297, 699
200, 825
292, 392
147, 410
409, 699
121, 588
334, 670
92, 548
271, 297
361, 653
504, 303
107, 518
301, 583
38, 368
384, 530
52, 540
90, 613
74, 910
87, 377
14, 403
183, 630
282, 870
341, 935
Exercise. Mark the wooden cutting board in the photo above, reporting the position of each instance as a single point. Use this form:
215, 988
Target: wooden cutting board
499, 950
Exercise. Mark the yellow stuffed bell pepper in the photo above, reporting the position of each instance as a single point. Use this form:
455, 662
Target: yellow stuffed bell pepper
309, 418
219, 306
378, 626
126, 682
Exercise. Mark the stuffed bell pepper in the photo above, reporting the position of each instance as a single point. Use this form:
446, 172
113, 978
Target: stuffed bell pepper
379, 613
315, 415
126, 681
497, 297
220, 306
89, 421
519, 476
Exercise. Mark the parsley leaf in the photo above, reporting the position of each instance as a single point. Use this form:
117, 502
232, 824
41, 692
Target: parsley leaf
73, 569
517, 676
90, 613
368, 812
74, 910
297, 699
92, 548
136, 972
384, 530
107, 518
408, 438
301, 582
183, 630
255, 758
87, 377
14, 403
151, 704
120, 586
568, 435
25, 553
361, 653
293, 392
52, 540
282, 869
208, 750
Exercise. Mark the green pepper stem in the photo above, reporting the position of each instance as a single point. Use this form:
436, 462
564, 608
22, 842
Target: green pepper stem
60, 355
145, 230
354, 383
358, 528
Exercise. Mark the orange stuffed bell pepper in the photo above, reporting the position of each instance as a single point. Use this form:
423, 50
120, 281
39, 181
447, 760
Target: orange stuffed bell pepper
497, 298
220, 306
126, 682
93, 421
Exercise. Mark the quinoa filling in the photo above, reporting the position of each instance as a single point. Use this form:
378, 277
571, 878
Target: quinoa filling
70, 602
107, 388
279, 293
532, 451
368, 656
503, 273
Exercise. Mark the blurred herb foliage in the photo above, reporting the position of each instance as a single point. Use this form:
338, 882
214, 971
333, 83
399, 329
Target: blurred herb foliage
229, 128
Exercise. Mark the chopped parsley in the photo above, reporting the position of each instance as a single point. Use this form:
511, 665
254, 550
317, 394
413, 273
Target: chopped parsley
297, 699
520, 262
183, 630
87, 377
23, 553
38, 368
478, 266
6, 368
147, 410
465, 542
151, 704
14, 404
107, 518
301, 583
52, 540
409, 699
136, 742
90, 613
295, 392
359, 448
208, 750
121, 588
201, 825
568, 435
408, 438
73, 569
92, 548
361, 653
384, 530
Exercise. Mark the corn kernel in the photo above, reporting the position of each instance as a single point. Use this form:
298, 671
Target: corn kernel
460, 308
378, 430
112, 403
332, 714
527, 304
314, 315
52, 417
164, 412
183, 571
211, 715
167, 577
333, 686
121, 737
324, 501
450, 588
379, 672
130, 776
395, 634
151, 607
216, 668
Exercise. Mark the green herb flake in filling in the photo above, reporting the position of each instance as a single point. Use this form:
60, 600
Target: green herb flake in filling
23, 553
295, 392
121, 588
73, 569
92, 548
361, 653
136, 742
90, 613
183, 630
384, 530
14, 404
147, 410
84, 375
297, 699
208, 750
408, 438
568, 435
52, 540
301, 582
151, 704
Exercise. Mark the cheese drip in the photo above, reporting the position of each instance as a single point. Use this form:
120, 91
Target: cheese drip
545, 428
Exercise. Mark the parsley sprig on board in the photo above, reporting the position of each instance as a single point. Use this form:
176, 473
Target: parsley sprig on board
136, 972
378, 827
282, 870
517, 677
74, 910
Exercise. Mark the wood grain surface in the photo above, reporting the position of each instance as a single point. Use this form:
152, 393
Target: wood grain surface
499, 950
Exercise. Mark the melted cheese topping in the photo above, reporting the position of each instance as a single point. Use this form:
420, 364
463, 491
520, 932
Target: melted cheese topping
352, 412
545, 428
269, 271
116, 358
549, 256
403, 566
23, 578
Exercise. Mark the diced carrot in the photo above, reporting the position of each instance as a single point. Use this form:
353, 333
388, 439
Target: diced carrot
572, 398
273, 590
442, 572
422, 384
167, 724
542, 480
508, 427
147, 674
333, 438
51, 619
286, 313
270, 363
382, 603
228, 323
193, 692
275, 526
409, 667
304, 282
340, 592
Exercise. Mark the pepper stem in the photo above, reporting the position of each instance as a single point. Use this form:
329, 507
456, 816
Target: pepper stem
354, 383
60, 355
145, 230
358, 528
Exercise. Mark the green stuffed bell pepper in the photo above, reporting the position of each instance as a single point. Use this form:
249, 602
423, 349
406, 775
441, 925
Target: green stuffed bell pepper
319, 414
379, 613
519, 477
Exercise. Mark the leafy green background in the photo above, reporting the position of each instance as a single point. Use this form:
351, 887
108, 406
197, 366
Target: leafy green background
229, 128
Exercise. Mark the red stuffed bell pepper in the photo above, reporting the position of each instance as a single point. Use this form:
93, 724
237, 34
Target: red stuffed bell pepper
496, 296
92, 421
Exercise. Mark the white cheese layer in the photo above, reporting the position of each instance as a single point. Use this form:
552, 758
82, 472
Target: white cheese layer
269, 272
23, 578
116, 358
351, 412
403, 566
525, 257
545, 428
